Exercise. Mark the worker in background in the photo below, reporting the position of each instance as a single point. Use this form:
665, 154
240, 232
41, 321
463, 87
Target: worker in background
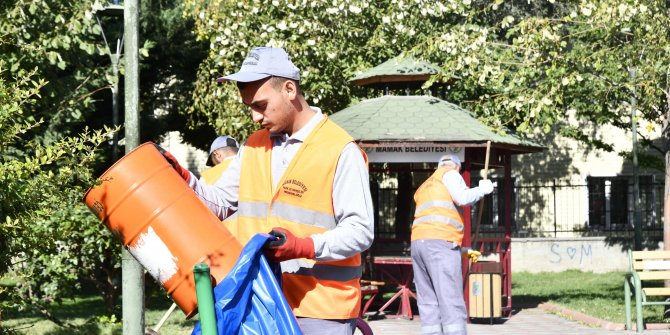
303, 179
437, 234
221, 154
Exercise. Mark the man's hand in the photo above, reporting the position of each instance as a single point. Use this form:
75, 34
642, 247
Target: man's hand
486, 186
175, 164
472, 254
287, 246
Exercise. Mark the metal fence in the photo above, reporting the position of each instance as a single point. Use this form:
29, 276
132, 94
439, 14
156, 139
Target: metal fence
600, 207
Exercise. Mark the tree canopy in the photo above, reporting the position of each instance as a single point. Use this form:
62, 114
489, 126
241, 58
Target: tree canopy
41, 183
523, 66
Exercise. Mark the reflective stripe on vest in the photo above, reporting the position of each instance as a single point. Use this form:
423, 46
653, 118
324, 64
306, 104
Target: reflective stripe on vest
322, 271
252, 209
440, 219
287, 212
436, 203
303, 216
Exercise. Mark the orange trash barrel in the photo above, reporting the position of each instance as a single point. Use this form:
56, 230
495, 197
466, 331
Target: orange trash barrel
163, 224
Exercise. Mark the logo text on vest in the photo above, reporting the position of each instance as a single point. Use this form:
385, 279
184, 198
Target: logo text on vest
294, 187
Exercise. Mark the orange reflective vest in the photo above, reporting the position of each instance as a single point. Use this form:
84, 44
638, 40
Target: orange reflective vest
211, 175
303, 204
436, 216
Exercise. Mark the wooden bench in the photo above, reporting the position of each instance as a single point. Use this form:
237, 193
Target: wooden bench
645, 267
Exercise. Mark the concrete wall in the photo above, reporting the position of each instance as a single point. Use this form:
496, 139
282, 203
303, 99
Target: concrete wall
560, 254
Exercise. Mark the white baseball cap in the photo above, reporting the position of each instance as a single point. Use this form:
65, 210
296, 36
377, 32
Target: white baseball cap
221, 142
449, 158
263, 62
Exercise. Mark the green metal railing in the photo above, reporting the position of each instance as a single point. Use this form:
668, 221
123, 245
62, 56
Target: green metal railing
205, 295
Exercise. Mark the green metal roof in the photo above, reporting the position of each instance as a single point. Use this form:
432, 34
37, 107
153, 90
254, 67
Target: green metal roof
421, 119
397, 69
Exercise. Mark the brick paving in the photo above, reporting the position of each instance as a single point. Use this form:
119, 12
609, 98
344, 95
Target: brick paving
529, 321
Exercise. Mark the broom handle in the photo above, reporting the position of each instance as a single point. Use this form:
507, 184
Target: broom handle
481, 201
165, 317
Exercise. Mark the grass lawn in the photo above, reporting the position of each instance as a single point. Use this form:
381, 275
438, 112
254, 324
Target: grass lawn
598, 295
88, 314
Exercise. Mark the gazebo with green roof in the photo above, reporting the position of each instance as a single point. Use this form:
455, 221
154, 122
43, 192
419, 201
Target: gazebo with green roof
396, 73
406, 134
421, 122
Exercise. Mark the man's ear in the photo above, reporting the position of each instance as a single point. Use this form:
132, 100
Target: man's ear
217, 155
291, 89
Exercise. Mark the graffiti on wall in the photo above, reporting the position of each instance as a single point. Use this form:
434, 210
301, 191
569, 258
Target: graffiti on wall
583, 253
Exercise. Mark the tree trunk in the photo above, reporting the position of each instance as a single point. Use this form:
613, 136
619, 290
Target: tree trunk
665, 134
666, 201
107, 280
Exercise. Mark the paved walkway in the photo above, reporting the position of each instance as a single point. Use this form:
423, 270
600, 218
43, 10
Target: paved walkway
530, 321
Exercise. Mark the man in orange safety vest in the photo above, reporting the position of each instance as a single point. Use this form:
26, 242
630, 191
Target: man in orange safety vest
303, 179
437, 234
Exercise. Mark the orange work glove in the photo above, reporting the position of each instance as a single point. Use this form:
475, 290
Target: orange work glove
287, 246
184, 173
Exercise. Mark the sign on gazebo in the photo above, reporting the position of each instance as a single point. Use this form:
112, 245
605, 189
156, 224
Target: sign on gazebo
389, 153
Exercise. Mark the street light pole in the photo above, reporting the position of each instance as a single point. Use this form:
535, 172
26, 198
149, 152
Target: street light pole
115, 100
113, 10
637, 222
636, 178
132, 271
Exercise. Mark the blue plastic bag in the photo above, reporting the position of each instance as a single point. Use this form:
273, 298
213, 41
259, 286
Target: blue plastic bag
249, 300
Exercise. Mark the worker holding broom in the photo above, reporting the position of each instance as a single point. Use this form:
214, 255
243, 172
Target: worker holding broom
437, 234
303, 179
